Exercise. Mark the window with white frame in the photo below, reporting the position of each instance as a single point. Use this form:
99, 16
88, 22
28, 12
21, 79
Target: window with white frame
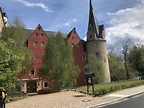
42, 44
42, 34
35, 43
32, 72
46, 84
36, 34
33, 57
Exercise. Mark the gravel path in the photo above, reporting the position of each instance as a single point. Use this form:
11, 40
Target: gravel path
67, 99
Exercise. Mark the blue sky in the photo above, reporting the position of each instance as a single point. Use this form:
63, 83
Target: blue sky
121, 18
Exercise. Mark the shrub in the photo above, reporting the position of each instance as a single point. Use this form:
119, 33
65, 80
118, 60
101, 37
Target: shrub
114, 86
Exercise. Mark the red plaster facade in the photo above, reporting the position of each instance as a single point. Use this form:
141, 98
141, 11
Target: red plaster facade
80, 57
36, 43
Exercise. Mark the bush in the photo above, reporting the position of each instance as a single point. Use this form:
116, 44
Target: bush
111, 87
47, 91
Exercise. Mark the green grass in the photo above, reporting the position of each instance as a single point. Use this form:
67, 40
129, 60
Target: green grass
102, 89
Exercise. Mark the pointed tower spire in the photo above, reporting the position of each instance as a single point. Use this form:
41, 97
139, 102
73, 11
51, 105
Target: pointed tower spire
93, 24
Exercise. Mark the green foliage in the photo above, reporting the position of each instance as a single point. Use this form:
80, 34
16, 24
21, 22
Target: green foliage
111, 87
136, 58
18, 34
95, 66
14, 56
58, 62
10, 64
116, 66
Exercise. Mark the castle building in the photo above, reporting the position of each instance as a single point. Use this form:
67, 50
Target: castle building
95, 44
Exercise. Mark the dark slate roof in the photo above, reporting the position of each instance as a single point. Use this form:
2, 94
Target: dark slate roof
92, 20
29, 31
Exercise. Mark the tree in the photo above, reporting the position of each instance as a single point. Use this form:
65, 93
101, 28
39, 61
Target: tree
18, 34
95, 66
58, 62
116, 66
136, 58
125, 50
10, 64
13, 40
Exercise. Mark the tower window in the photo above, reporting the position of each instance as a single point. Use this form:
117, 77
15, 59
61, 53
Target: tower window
97, 54
95, 44
72, 37
33, 57
90, 36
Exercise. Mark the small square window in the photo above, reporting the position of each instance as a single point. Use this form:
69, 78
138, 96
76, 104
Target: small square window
42, 35
42, 44
36, 34
32, 72
35, 43
90, 36
46, 84
77, 46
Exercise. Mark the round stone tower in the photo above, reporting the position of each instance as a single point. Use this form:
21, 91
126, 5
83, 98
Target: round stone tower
96, 43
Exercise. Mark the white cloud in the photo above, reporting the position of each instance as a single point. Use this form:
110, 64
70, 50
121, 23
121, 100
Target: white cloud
126, 23
30, 4
68, 23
